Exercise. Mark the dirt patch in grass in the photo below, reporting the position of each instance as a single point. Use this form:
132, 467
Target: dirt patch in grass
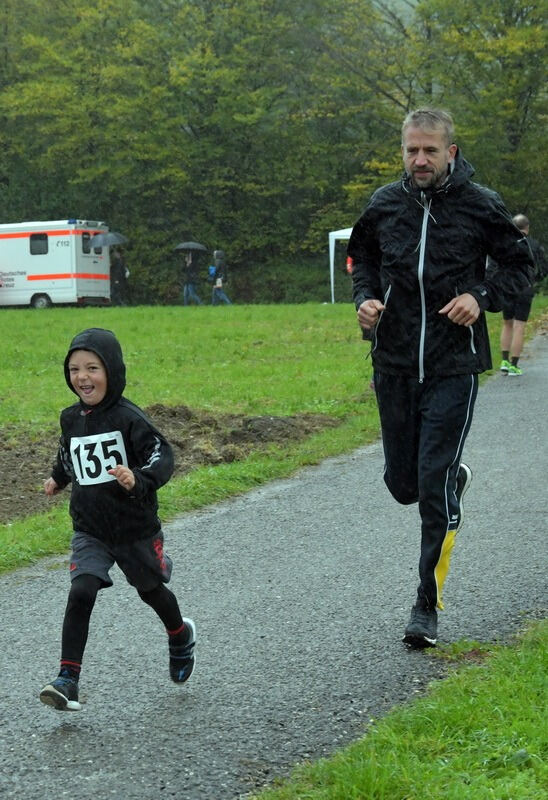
197, 438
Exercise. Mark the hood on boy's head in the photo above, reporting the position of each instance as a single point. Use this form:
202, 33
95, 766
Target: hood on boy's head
105, 344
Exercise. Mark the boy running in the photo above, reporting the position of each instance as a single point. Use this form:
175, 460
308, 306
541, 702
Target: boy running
116, 460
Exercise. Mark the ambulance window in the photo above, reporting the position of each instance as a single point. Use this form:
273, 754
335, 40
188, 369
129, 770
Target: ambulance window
38, 244
86, 245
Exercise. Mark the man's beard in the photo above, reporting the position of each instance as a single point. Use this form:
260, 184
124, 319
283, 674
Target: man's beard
430, 181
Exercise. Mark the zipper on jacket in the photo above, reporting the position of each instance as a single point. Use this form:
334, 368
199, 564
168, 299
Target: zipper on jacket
472, 337
472, 340
386, 296
420, 274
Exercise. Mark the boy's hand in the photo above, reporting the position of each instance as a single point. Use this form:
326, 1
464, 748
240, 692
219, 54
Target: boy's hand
51, 487
124, 476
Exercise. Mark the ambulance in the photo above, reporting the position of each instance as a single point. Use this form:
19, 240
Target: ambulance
53, 263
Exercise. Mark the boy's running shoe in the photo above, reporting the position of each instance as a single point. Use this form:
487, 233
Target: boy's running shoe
504, 366
512, 370
422, 628
181, 656
464, 479
62, 694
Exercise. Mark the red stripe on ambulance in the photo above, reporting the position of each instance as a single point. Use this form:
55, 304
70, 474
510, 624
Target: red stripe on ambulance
27, 234
59, 276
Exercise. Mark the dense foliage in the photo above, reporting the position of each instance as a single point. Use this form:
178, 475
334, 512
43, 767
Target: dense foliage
255, 126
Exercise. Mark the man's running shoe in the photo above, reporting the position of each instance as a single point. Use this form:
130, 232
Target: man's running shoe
422, 628
464, 479
512, 371
504, 366
181, 657
62, 693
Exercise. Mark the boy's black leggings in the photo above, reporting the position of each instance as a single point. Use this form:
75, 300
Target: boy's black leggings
424, 427
81, 599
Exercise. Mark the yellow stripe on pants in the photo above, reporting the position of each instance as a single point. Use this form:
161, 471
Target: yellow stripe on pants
442, 567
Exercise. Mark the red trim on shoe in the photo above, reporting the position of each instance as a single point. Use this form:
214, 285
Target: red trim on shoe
177, 631
75, 666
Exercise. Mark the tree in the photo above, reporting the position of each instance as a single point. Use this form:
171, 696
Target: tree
489, 66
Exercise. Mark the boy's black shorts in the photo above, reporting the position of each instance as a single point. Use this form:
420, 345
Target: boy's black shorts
143, 562
520, 306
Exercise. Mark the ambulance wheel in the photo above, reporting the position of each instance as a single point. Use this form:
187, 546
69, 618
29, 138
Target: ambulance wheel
40, 301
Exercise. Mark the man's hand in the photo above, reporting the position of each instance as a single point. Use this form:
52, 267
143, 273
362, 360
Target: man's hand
124, 476
368, 313
462, 310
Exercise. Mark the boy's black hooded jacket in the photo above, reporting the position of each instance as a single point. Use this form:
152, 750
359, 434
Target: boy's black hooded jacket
416, 250
93, 440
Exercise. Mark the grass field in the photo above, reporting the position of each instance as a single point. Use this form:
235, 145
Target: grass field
250, 359
482, 733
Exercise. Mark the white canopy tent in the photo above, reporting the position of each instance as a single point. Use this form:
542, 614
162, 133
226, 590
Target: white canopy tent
333, 236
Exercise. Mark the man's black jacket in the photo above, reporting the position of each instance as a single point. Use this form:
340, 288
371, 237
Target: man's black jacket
415, 250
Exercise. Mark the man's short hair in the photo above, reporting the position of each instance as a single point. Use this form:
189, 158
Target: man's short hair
430, 119
521, 222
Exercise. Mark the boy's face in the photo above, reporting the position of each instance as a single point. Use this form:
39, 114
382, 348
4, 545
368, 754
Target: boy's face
87, 376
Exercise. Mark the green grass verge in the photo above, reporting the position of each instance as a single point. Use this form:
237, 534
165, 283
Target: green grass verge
248, 359
481, 734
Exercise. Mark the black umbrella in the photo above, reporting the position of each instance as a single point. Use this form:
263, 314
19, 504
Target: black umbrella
107, 239
190, 246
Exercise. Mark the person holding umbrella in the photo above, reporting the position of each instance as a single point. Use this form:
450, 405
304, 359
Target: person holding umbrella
190, 276
119, 273
190, 272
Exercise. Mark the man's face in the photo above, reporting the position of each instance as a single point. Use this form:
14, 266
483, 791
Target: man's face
426, 156
87, 376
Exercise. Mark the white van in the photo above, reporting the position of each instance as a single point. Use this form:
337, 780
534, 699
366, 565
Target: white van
52, 263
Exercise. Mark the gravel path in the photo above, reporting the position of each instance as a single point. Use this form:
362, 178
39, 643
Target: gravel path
300, 591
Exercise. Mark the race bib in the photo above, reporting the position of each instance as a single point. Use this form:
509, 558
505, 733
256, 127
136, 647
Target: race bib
92, 456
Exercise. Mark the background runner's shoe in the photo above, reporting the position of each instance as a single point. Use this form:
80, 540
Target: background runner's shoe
504, 366
62, 694
464, 479
181, 657
514, 370
422, 628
